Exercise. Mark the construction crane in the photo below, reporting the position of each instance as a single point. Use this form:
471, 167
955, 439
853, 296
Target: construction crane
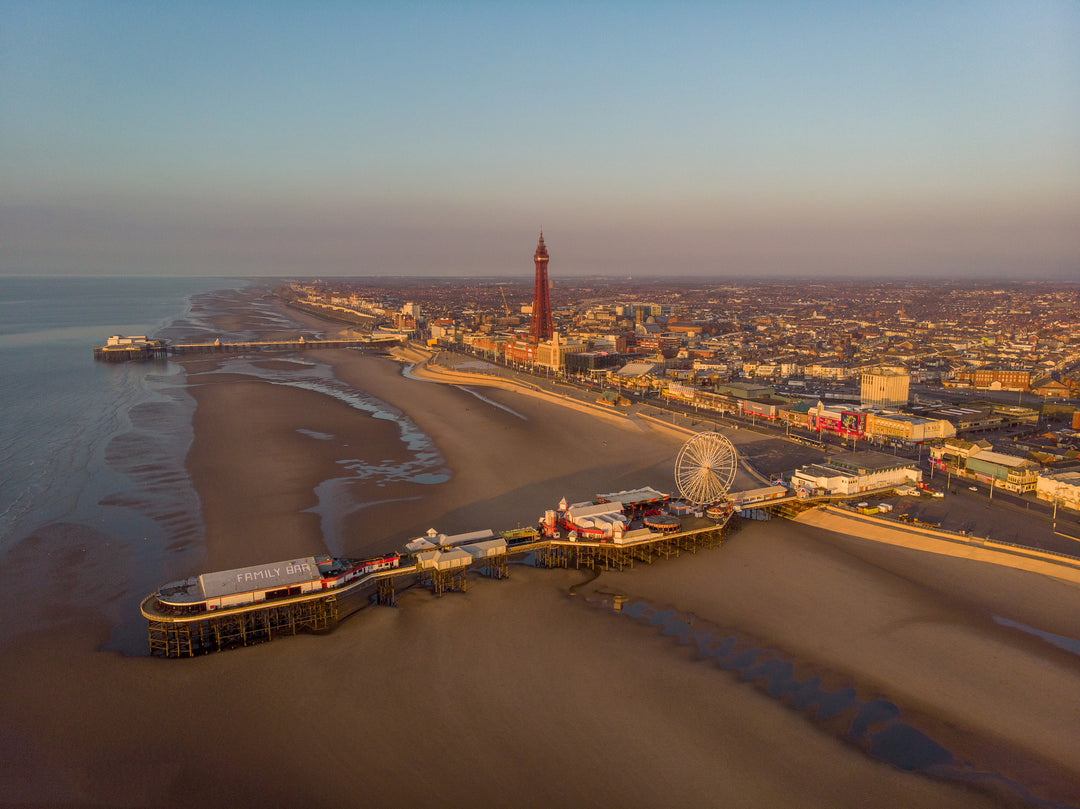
505, 304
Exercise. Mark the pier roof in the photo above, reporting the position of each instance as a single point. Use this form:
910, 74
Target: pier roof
433, 540
760, 493
482, 550
260, 577
633, 496
580, 511
443, 559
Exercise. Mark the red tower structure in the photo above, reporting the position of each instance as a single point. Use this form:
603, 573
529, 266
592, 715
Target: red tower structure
540, 327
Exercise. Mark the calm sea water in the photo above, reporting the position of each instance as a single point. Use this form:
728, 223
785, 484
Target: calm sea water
85, 442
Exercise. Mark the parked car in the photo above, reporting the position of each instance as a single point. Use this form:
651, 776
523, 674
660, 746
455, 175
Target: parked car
973, 488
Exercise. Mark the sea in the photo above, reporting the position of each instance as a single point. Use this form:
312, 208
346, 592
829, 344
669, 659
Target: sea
92, 454
96, 448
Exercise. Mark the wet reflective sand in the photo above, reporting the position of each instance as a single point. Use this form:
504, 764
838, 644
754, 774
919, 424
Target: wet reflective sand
517, 693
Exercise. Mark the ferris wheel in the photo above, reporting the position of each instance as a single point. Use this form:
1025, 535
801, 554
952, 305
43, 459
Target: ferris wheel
705, 468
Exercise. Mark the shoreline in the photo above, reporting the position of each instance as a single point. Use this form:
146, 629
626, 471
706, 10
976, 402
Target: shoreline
868, 528
531, 681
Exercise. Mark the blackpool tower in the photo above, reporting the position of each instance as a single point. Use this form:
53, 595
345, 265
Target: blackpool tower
540, 327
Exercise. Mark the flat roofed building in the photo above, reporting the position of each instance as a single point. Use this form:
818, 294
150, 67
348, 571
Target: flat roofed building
1062, 488
743, 390
822, 478
303, 573
1017, 414
908, 428
884, 387
1015, 474
553, 353
768, 407
590, 361
856, 472
844, 422
868, 461
969, 419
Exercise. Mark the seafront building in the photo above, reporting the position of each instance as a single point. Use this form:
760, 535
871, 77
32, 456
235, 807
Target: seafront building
1060, 488
978, 461
1015, 474
846, 422
817, 337
907, 428
552, 354
855, 472
837, 362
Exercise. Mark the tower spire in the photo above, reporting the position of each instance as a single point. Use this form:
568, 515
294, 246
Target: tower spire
540, 326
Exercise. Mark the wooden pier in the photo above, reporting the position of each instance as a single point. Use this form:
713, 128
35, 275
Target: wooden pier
161, 349
148, 350
190, 634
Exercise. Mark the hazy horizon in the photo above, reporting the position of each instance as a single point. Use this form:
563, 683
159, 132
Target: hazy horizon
712, 140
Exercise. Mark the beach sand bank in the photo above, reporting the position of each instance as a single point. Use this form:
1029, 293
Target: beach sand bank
516, 693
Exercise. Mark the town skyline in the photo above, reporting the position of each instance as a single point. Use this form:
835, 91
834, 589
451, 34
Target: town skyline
692, 139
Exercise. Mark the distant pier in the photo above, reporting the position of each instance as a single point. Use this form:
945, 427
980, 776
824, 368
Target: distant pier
127, 349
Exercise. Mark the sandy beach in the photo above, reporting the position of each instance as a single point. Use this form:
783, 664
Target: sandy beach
517, 693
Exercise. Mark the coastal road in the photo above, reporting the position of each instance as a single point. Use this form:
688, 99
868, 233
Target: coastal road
1004, 517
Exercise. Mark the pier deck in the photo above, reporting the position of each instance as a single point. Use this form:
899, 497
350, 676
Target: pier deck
188, 634
161, 349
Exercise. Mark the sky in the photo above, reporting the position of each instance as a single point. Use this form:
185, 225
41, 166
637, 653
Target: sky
719, 139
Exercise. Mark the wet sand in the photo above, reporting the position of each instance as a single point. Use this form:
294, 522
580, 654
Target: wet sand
904, 626
517, 693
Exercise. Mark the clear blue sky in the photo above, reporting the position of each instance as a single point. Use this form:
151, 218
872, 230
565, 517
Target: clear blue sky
713, 138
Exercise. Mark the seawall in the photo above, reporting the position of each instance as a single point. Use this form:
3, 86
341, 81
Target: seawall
875, 529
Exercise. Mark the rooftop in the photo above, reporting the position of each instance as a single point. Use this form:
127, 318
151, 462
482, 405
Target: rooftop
868, 461
260, 577
645, 495
1000, 458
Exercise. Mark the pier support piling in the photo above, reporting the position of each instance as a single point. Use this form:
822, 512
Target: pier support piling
188, 636
385, 593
